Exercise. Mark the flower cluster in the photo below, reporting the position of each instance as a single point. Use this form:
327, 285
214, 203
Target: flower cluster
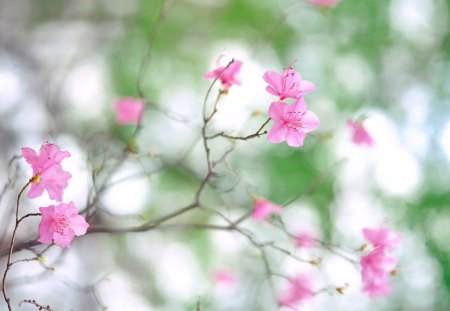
292, 121
263, 209
377, 265
298, 291
360, 135
129, 110
324, 3
60, 223
47, 171
228, 75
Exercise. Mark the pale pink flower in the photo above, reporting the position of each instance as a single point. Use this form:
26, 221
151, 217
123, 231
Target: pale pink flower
288, 84
299, 291
292, 122
360, 136
305, 239
227, 76
375, 270
225, 278
381, 238
61, 223
129, 110
47, 171
263, 209
324, 3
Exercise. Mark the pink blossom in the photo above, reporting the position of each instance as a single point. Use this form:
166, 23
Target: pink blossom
292, 122
47, 171
375, 270
360, 134
224, 277
289, 84
324, 3
61, 223
299, 291
228, 76
305, 239
381, 238
263, 209
129, 110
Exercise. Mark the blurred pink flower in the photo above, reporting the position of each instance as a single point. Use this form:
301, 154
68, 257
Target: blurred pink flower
61, 223
47, 171
381, 238
299, 291
375, 269
224, 277
228, 76
129, 110
263, 209
360, 134
289, 84
305, 239
324, 3
292, 122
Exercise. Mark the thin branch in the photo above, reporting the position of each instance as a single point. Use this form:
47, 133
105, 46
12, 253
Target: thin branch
11, 247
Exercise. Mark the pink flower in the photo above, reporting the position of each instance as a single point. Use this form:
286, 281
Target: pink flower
360, 134
305, 239
129, 110
375, 269
381, 238
225, 278
287, 85
324, 3
292, 122
47, 171
299, 290
61, 223
228, 76
263, 209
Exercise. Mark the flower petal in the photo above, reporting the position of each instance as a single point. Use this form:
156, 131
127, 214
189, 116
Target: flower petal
295, 138
277, 133
278, 110
310, 121
274, 80
78, 224
64, 240
36, 190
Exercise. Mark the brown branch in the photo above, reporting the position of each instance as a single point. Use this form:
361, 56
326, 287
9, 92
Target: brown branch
11, 246
37, 305
258, 134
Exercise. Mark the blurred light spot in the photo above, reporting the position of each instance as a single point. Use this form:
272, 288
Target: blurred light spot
412, 18
397, 171
353, 73
85, 88
128, 195
10, 89
178, 273
445, 139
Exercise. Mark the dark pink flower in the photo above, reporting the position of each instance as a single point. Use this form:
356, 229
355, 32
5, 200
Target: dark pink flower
263, 209
324, 3
305, 239
299, 291
47, 171
129, 110
288, 84
375, 270
228, 76
292, 122
381, 238
61, 223
360, 136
